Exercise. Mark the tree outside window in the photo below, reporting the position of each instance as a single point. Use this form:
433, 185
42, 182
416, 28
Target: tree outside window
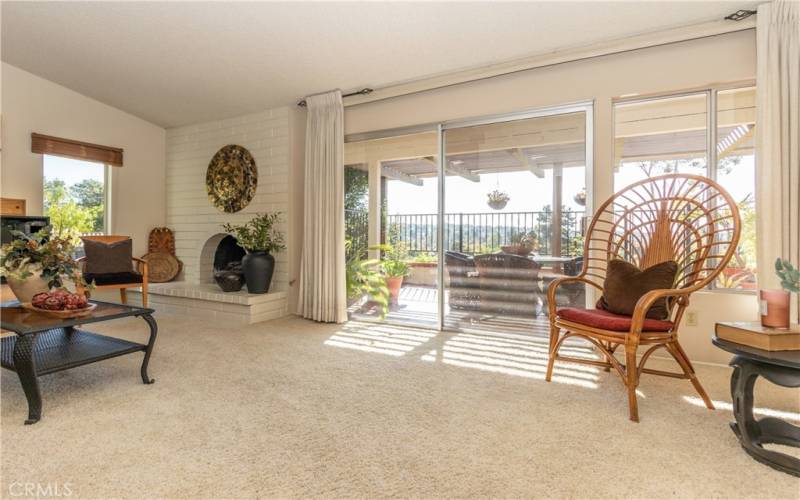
74, 196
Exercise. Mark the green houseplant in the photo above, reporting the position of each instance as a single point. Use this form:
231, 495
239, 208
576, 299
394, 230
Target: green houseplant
364, 278
260, 238
38, 262
522, 243
394, 266
775, 308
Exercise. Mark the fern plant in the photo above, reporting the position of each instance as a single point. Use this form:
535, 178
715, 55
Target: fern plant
789, 276
364, 277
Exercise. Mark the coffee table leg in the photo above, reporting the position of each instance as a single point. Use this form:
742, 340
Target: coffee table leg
25, 366
752, 433
153, 332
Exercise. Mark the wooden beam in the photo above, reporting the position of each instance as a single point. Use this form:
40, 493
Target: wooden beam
728, 143
400, 176
525, 161
459, 171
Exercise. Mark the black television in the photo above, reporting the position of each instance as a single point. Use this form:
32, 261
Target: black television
27, 224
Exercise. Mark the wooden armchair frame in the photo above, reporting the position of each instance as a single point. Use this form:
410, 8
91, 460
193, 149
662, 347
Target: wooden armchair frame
681, 217
141, 267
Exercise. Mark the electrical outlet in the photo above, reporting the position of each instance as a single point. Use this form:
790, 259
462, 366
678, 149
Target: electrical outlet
691, 318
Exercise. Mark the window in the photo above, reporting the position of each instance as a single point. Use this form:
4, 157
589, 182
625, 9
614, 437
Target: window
76, 196
707, 133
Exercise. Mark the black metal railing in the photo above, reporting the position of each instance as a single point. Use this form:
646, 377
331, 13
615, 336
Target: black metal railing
474, 233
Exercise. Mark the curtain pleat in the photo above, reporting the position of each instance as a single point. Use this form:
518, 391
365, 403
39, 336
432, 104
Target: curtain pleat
322, 269
778, 140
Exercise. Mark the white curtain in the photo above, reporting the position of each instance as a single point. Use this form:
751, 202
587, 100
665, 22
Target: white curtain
322, 268
778, 139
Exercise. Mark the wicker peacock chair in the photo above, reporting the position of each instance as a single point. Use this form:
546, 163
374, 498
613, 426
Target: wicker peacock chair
685, 218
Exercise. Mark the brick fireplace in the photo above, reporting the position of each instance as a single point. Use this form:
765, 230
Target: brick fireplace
197, 224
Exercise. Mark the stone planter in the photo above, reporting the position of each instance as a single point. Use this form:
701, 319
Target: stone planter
27, 288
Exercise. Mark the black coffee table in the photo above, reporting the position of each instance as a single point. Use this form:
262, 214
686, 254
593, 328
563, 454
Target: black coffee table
44, 344
779, 367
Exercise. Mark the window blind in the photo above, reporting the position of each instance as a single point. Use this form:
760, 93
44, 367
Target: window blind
45, 144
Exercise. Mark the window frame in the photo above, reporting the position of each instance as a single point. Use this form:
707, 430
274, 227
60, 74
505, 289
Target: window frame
712, 165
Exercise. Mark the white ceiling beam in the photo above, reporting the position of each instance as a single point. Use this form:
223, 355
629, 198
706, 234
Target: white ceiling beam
400, 176
454, 169
525, 161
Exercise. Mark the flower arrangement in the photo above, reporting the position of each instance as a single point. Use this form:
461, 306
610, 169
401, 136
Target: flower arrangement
43, 253
497, 199
259, 233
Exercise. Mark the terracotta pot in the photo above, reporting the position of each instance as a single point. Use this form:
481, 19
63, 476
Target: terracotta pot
774, 305
394, 284
27, 288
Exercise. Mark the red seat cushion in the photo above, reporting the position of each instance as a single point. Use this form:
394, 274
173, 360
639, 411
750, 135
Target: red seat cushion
605, 320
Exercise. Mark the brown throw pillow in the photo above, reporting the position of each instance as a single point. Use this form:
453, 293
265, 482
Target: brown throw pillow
625, 284
103, 258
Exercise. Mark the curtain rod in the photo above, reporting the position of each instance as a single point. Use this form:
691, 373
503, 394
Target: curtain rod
364, 91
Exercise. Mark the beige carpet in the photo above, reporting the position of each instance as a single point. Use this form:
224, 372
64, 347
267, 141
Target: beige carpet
296, 409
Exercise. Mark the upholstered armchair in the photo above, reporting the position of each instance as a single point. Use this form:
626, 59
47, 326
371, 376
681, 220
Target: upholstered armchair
683, 218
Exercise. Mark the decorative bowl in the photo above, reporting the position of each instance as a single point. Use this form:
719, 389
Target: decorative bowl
64, 313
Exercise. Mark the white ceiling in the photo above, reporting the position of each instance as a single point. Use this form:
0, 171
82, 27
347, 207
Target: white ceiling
185, 62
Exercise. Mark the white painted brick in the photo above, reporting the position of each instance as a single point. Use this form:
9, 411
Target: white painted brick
194, 219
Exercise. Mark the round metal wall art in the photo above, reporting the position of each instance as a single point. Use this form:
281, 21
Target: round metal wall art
231, 178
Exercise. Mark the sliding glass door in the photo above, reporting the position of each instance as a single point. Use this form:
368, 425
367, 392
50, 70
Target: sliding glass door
391, 200
473, 240
514, 210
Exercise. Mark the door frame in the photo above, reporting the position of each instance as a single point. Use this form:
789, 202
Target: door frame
586, 107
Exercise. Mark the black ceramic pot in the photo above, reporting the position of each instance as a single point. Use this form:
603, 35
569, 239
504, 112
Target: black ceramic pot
231, 278
258, 268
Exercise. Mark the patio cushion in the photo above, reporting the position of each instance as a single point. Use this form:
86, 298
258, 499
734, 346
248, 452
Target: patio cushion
598, 318
101, 279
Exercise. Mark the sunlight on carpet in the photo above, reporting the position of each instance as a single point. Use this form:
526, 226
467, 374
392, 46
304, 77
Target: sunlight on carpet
764, 412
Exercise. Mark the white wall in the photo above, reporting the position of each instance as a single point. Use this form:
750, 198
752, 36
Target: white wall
686, 65
190, 213
33, 104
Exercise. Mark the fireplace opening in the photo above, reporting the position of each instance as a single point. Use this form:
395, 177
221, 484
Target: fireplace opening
228, 253
227, 265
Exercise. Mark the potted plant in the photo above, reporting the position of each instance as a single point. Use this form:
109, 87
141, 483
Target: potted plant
260, 239
497, 200
775, 303
36, 263
363, 277
522, 243
580, 197
394, 266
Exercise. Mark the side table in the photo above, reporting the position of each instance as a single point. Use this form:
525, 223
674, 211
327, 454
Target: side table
779, 367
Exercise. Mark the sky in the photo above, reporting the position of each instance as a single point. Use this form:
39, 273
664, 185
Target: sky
71, 171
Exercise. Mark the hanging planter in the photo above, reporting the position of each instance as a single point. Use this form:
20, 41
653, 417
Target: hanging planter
497, 199
580, 197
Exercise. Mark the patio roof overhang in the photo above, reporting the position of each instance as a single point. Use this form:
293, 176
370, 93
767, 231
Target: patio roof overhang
663, 130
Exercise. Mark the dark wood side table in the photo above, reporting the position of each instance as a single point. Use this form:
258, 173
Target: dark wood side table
779, 367
44, 344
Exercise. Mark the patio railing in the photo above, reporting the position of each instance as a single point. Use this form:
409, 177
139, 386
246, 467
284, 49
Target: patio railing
473, 233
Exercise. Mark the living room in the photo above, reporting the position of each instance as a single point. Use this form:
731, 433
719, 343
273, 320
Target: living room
372, 246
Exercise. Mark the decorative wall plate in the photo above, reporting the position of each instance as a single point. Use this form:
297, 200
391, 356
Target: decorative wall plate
231, 178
